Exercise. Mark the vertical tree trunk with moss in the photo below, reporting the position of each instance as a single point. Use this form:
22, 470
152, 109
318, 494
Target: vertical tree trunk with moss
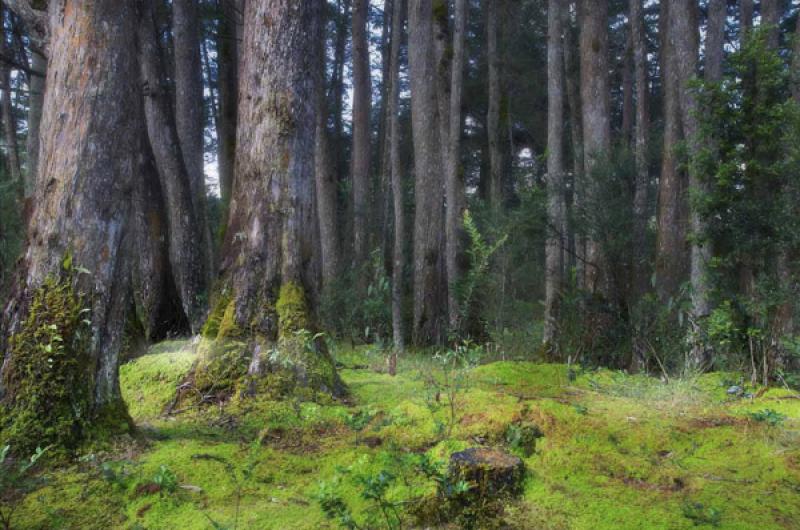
430, 302
556, 205
35, 104
83, 216
270, 274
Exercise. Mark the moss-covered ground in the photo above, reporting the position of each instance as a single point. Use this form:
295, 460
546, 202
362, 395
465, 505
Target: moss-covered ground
617, 451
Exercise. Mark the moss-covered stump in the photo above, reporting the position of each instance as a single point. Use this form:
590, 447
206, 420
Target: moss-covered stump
489, 472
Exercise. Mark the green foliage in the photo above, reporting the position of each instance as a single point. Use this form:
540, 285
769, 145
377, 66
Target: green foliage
49, 373
768, 416
241, 473
166, 480
17, 479
701, 515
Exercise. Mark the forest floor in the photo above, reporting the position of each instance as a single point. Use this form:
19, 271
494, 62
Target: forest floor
617, 451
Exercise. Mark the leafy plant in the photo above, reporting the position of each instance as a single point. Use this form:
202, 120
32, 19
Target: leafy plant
701, 515
166, 480
768, 416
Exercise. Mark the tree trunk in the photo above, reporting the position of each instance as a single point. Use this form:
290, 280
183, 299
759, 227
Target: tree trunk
715, 39
771, 12
496, 114
189, 105
398, 196
362, 97
641, 271
628, 105
455, 198
35, 104
228, 80
326, 183
671, 251
185, 251
745, 17
429, 282
556, 207
269, 243
7, 106
83, 214
596, 107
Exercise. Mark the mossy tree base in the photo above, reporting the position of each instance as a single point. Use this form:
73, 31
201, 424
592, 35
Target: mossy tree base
238, 361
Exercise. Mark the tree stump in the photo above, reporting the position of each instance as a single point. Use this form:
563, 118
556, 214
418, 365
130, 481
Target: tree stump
489, 472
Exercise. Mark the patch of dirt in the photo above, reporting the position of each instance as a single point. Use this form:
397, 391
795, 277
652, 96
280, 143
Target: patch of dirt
712, 422
149, 488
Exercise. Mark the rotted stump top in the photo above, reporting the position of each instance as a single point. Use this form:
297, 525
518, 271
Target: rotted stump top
489, 471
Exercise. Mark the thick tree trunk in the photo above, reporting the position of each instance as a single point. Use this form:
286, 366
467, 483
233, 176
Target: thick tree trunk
228, 72
671, 249
362, 97
398, 196
628, 105
269, 243
189, 265
429, 282
641, 271
715, 39
455, 198
596, 107
556, 206
83, 209
745, 17
7, 107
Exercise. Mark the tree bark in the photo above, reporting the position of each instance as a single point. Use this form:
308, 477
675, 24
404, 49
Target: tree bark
771, 12
86, 176
642, 189
496, 114
35, 20
556, 206
35, 104
270, 239
227, 61
671, 249
326, 183
8, 115
745, 17
185, 237
596, 107
362, 97
455, 198
429, 282
398, 253
189, 105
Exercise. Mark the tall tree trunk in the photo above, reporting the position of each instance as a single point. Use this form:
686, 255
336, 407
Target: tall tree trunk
7, 107
556, 206
83, 206
496, 114
771, 12
455, 198
684, 32
269, 243
628, 105
745, 17
326, 183
596, 107
642, 190
398, 196
186, 254
572, 84
189, 105
429, 282
35, 104
671, 251
362, 97
228, 79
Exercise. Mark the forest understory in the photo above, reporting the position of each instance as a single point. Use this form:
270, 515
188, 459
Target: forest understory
601, 449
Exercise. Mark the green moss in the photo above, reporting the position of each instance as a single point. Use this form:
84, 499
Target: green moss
292, 309
48, 379
212, 326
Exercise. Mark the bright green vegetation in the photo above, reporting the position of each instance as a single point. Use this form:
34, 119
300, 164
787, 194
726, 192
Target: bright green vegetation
604, 450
